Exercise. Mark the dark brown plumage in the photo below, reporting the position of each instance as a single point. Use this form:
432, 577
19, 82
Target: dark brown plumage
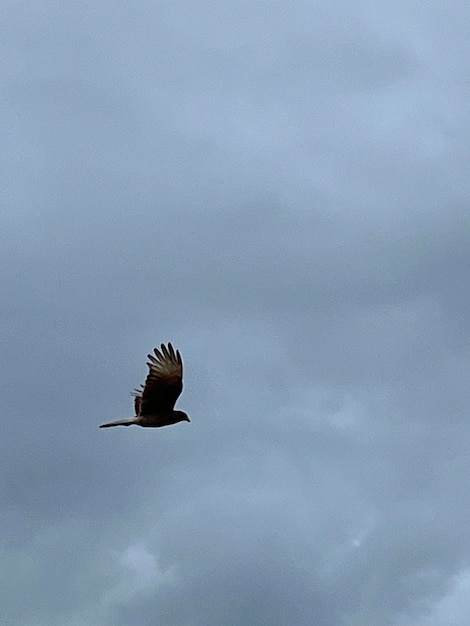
154, 402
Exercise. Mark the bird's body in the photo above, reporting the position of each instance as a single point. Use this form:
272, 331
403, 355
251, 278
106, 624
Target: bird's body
154, 402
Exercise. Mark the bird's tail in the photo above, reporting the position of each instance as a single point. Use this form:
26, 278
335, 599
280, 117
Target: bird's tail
128, 422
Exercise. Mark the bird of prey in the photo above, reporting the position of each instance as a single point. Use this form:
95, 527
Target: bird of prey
154, 402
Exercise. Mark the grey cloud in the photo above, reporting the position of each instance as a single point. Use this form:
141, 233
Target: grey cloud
283, 195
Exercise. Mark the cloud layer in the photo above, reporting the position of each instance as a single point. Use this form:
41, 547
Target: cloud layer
283, 193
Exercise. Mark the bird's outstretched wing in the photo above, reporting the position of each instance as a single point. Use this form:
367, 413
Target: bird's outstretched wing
163, 384
137, 393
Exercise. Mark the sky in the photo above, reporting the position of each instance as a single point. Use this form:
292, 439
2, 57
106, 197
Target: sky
281, 190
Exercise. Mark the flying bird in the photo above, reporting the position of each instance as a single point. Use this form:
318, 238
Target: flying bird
155, 400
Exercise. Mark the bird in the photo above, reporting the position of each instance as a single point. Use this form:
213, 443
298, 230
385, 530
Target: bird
154, 401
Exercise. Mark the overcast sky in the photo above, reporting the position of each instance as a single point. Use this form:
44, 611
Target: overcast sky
282, 190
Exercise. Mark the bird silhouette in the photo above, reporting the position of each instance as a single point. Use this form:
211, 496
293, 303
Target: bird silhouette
155, 400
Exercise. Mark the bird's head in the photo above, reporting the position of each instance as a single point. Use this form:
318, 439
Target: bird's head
182, 416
